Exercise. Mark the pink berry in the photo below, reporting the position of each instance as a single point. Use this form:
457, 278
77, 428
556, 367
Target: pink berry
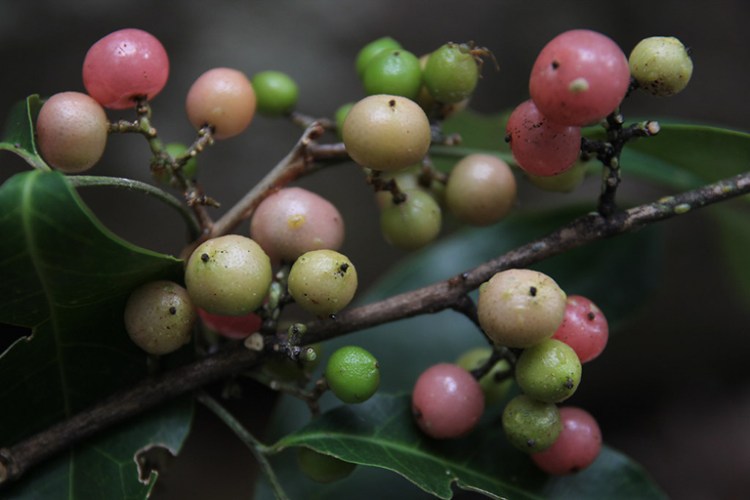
293, 221
233, 327
123, 66
579, 78
584, 328
577, 446
541, 147
447, 401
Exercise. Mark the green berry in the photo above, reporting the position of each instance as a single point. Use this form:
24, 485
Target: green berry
176, 150
322, 282
322, 468
352, 374
372, 49
395, 72
531, 425
661, 65
520, 307
340, 116
413, 223
159, 317
386, 132
549, 371
495, 383
228, 275
276, 92
451, 73
564, 182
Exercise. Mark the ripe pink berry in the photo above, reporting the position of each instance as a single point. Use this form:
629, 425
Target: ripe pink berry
584, 328
577, 446
579, 78
541, 147
123, 66
447, 401
233, 327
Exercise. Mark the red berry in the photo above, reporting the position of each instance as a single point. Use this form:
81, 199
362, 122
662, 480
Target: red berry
579, 78
447, 401
584, 328
123, 66
541, 147
577, 446
233, 327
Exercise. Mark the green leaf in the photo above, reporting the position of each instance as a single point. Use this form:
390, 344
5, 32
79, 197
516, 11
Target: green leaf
18, 134
108, 466
67, 278
381, 433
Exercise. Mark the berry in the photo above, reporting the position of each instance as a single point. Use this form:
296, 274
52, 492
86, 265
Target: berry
323, 468
386, 132
579, 78
340, 116
222, 98
71, 131
412, 223
395, 72
530, 425
584, 328
495, 383
352, 374
124, 66
229, 275
520, 307
322, 282
539, 146
233, 327
451, 73
577, 446
481, 189
661, 65
175, 150
564, 182
276, 92
293, 221
372, 49
548, 371
159, 317
447, 402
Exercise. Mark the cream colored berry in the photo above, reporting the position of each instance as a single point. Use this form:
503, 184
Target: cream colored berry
322, 281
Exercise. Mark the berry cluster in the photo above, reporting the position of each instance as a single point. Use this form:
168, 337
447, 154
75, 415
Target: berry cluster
541, 337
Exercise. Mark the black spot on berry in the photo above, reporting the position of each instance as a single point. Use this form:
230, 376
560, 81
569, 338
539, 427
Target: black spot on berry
205, 257
569, 383
555, 64
531, 443
532, 291
343, 267
591, 316
173, 310
392, 103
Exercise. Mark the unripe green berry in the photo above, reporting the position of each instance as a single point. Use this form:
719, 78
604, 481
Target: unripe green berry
159, 317
276, 92
531, 425
228, 275
520, 307
413, 223
372, 49
549, 371
322, 468
340, 116
661, 65
352, 374
175, 150
564, 182
322, 282
451, 73
495, 383
395, 72
386, 132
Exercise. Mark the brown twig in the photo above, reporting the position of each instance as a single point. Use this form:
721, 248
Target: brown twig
17, 459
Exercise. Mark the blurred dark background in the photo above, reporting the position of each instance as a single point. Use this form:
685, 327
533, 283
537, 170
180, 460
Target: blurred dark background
684, 416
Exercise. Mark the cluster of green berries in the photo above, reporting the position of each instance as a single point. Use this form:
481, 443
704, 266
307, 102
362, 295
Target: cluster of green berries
579, 78
553, 335
129, 66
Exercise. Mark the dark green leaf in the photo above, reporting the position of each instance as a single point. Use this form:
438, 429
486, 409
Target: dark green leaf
381, 433
18, 134
107, 467
67, 278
